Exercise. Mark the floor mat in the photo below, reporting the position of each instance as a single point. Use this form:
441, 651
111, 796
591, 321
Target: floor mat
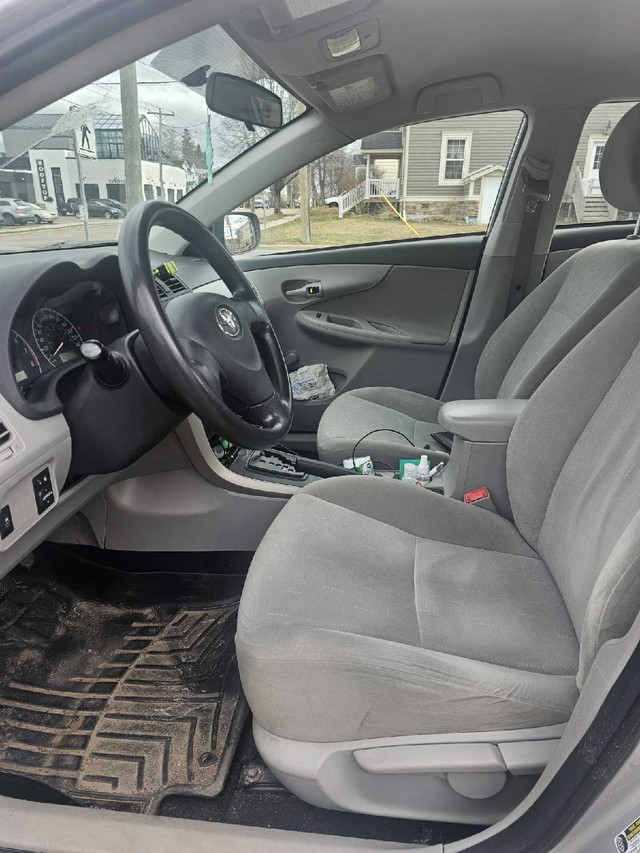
111, 693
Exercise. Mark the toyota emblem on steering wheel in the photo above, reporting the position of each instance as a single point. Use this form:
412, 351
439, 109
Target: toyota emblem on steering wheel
228, 321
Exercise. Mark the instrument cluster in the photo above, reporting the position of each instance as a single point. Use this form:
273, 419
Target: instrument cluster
50, 336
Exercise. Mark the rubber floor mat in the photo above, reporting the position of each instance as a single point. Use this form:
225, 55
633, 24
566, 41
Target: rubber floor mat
117, 705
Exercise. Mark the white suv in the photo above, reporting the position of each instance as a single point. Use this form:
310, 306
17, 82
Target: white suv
14, 211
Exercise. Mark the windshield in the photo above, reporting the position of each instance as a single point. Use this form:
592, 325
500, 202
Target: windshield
139, 133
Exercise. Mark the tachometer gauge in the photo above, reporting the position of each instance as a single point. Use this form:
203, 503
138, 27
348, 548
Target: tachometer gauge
56, 336
26, 366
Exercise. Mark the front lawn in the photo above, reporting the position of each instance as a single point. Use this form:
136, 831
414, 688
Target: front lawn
328, 230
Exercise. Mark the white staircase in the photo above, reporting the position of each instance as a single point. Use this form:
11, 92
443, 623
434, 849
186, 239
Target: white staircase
371, 189
588, 202
596, 209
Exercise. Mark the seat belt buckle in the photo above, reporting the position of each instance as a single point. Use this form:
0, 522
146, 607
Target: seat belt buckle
481, 497
476, 495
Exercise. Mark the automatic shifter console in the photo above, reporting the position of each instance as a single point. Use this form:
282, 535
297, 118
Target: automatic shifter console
275, 463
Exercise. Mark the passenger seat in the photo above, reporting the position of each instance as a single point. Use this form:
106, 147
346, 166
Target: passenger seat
528, 345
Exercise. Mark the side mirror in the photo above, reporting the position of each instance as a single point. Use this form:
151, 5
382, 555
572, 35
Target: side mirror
243, 100
239, 231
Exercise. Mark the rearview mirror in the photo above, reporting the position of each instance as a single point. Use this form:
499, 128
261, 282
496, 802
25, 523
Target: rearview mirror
239, 231
243, 100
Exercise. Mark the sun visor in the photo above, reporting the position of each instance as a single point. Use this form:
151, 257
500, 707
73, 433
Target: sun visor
286, 18
353, 87
463, 96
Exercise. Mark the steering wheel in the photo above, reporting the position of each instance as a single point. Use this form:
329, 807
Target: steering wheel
219, 354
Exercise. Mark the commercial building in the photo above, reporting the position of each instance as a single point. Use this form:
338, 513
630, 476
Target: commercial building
54, 171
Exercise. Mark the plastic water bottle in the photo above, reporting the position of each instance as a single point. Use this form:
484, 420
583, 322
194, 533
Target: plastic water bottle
422, 473
410, 473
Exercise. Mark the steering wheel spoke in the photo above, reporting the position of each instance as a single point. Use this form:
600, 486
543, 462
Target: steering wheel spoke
219, 353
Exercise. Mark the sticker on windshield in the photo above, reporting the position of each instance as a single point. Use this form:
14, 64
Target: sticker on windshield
628, 841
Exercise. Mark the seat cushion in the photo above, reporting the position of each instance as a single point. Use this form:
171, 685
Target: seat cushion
416, 615
355, 413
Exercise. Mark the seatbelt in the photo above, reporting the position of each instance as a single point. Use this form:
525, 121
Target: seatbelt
536, 189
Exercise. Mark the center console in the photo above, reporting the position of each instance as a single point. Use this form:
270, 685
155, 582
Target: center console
481, 430
279, 465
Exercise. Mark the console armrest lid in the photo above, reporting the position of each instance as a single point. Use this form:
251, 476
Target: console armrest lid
481, 420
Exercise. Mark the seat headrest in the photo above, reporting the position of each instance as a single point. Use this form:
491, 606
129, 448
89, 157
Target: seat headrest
620, 164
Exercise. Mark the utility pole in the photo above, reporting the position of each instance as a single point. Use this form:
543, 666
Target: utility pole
84, 212
305, 220
303, 189
131, 135
160, 113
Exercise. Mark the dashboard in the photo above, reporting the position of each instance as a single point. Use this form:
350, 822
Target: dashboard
48, 335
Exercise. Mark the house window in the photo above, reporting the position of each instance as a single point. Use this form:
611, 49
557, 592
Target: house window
597, 156
454, 157
180, 193
171, 195
148, 191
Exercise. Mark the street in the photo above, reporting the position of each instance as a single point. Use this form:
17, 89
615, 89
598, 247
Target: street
21, 238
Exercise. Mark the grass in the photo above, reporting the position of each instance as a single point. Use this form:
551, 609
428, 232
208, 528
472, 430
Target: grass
328, 230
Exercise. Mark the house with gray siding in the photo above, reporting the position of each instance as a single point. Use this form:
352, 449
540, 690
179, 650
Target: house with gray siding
452, 168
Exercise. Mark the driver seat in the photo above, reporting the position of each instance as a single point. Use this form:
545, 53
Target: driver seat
410, 655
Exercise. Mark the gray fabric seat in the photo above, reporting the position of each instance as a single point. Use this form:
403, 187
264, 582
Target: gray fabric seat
524, 349
419, 615
372, 609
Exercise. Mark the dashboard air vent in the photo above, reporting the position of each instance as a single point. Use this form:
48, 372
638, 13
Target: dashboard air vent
175, 285
168, 284
5, 433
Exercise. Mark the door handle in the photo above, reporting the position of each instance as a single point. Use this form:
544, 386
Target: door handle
299, 290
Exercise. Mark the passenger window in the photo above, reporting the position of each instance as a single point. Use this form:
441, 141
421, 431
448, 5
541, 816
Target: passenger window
430, 179
583, 201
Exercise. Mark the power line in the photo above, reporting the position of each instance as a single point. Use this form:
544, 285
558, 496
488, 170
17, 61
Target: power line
184, 121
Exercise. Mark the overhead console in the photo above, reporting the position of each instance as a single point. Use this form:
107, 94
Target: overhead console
334, 48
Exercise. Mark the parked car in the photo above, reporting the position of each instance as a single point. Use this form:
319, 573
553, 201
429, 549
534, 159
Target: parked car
103, 208
114, 203
260, 202
14, 211
68, 207
41, 214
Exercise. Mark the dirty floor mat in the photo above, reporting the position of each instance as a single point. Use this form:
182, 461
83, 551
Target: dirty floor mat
113, 693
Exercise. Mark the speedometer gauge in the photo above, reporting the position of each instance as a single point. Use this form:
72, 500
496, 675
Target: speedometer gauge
26, 366
56, 336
